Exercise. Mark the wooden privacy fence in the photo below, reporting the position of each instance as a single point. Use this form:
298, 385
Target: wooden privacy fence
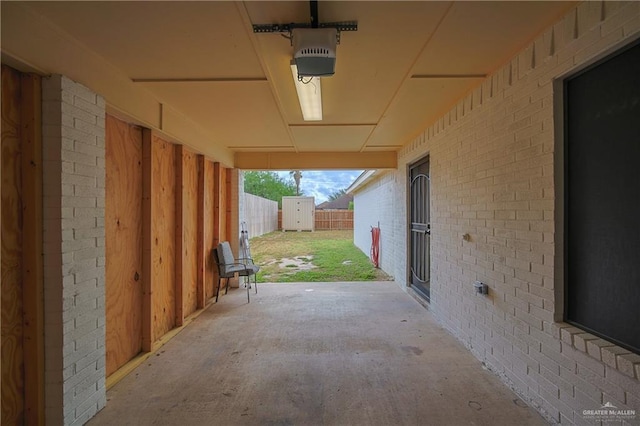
260, 214
326, 220
334, 219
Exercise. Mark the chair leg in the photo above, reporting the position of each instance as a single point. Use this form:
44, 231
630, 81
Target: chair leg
227, 287
246, 284
255, 282
218, 290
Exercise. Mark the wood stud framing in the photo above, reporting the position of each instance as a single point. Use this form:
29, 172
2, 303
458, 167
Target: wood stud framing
179, 282
174, 177
147, 244
32, 272
200, 256
22, 271
164, 177
163, 185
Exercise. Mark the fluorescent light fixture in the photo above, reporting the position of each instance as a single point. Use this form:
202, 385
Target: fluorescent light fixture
309, 95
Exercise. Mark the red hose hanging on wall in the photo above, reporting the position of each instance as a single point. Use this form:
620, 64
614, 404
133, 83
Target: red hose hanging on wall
375, 245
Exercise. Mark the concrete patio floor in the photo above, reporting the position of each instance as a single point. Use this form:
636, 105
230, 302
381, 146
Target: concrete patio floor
314, 354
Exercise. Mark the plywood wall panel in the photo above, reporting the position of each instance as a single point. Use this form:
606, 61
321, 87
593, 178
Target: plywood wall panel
123, 229
179, 239
217, 188
148, 246
32, 261
224, 205
209, 194
11, 270
200, 251
163, 228
232, 236
189, 231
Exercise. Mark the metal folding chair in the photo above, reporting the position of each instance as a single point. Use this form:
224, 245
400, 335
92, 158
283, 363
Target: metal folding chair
228, 267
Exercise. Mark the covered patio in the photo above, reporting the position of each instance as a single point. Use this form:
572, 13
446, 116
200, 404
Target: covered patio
311, 354
499, 143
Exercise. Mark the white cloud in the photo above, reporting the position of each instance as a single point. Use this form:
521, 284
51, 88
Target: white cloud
322, 183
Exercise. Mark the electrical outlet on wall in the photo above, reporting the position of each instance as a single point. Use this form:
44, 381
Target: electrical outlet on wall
481, 288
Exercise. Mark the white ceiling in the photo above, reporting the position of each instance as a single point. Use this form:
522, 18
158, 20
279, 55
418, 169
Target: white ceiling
407, 64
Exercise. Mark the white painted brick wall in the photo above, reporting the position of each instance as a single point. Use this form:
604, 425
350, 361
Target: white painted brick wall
492, 173
368, 212
74, 252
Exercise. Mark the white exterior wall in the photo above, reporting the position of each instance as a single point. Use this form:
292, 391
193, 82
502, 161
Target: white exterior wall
74, 250
372, 204
492, 176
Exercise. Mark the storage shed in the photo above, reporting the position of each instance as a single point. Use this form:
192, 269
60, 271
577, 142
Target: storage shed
298, 213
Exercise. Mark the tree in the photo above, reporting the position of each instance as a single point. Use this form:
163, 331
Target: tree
268, 185
296, 175
337, 194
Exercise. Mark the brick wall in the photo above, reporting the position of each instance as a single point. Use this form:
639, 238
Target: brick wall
74, 257
492, 160
369, 211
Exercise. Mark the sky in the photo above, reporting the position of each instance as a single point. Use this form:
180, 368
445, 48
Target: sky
322, 183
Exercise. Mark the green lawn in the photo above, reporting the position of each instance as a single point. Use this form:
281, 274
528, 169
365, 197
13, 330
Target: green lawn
312, 257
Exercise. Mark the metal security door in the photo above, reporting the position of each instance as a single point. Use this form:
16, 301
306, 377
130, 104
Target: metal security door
420, 228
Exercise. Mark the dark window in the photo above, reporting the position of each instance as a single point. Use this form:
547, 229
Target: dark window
602, 199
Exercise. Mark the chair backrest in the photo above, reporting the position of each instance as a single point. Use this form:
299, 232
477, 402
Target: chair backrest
223, 256
225, 253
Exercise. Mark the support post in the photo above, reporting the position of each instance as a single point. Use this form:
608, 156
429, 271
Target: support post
32, 265
147, 243
179, 236
200, 295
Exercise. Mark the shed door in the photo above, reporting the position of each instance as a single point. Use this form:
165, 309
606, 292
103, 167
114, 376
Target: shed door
305, 213
420, 228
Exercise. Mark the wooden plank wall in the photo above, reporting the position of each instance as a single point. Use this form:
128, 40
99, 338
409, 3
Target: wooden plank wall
210, 270
123, 229
163, 227
225, 205
218, 213
179, 238
189, 232
166, 207
142, 171
221, 204
22, 270
12, 329
200, 296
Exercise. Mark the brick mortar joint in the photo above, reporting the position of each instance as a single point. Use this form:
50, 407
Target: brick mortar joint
605, 351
